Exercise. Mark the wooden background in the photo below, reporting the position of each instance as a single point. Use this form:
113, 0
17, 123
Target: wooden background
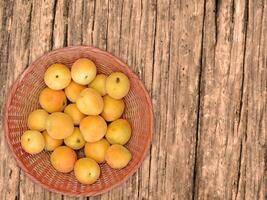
204, 64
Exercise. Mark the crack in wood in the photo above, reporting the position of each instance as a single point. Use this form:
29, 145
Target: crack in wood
216, 18
82, 23
121, 25
243, 64
245, 24
53, 24
262, 25
66, 14
197, 136
239, 168
93, 24
232, 16
107, 29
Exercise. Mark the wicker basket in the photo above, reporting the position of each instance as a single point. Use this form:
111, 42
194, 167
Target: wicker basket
23, 99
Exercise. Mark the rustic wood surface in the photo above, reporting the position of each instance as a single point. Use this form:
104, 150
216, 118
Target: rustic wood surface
204, 63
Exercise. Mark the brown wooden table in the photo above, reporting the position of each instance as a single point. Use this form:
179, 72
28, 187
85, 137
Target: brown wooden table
204, 63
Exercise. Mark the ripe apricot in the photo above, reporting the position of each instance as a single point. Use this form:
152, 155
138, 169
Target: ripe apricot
93, 128
74, 113
83, 71
113, 108
52, 100
119, 132
51, 143
96, 150
99, 84
63, 159
73, 91
118, 156
32, 141
86, 170
117, 85
90, 102
75, 140
37, 120
57, 76
59, 125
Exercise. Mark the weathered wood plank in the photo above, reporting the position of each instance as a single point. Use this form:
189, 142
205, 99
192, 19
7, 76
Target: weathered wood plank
157, 181
221, 92
9, 172
226, 106
251, 180
186, 29
100, 24
75, 13
88, 22
60, 32
40, 41
177, 55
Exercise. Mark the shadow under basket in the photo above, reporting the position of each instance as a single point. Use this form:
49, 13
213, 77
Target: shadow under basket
23, 99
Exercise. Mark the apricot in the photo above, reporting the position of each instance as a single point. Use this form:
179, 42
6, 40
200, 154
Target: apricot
63, 159
99, 84
73, 91
75, 140
113, 108
37, 120
93, 128
117, 85
57, 76
74, 113
51, 143
86, 170
118, 156
90, 102
32, 141
52, 100
119, 132
96, 150
83, 71
59, 125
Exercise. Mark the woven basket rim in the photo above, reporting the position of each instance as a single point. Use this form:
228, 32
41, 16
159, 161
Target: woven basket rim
13, 88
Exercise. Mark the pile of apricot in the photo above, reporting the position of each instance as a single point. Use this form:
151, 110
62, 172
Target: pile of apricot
80, 109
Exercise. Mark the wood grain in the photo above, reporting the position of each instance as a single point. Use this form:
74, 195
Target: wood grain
204, 64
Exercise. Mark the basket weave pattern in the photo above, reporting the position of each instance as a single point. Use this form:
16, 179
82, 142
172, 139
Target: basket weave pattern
23, 99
